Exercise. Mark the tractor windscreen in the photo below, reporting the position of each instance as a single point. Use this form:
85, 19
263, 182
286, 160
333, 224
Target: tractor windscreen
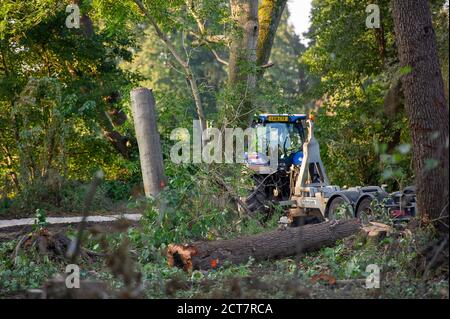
290, 136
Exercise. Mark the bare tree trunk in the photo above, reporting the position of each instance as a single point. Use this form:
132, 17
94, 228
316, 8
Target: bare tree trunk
242, 62
150, 154
425, 105
245, 42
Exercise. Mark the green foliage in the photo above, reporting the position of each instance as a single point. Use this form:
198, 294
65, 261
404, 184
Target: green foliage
185, 211
358, 74
67, 197
348, 259
61, 89
56, 87
40, 115
30, 271
286, 83
40, 221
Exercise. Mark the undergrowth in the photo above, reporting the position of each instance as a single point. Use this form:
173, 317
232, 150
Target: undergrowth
192, 208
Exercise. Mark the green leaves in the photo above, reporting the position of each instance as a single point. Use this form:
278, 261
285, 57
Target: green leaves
87, 107
41, 219
56, 84
405, 70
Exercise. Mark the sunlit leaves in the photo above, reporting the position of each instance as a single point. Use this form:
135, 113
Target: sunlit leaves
405, 70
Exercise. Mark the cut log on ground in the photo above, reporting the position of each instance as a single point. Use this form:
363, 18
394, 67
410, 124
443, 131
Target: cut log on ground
275, 244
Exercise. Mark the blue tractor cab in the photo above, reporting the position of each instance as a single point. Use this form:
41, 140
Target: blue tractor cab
291, 135
275, 185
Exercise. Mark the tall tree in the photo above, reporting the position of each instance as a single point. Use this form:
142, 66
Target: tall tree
75, 78
208, 23
350, 90
425, 105
241, 69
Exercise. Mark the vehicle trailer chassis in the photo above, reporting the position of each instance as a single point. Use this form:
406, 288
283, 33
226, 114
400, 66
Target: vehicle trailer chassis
314, 196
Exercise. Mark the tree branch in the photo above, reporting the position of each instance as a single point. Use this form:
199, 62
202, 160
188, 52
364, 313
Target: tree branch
184, 63
218, 58
161, 34
203, 38
200, 24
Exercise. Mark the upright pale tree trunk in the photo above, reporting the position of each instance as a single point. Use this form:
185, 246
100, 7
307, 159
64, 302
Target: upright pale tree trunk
425, 105
150, 154
242, 62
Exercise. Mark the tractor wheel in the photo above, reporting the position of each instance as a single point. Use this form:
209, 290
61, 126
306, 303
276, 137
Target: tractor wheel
257, 200
364, 211
339, 209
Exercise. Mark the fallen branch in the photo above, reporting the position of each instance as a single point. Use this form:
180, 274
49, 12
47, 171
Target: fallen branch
18, 247
275, 244
44, 242
442, 246
231, 193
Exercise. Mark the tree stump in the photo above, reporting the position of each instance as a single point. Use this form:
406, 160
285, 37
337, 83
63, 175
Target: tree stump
375, 231
150, 153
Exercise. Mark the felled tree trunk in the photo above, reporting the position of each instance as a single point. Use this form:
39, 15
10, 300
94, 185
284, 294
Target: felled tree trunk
275, 244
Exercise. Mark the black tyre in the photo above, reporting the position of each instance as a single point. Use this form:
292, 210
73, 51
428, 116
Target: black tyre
364, 210
339, 209
258, 201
